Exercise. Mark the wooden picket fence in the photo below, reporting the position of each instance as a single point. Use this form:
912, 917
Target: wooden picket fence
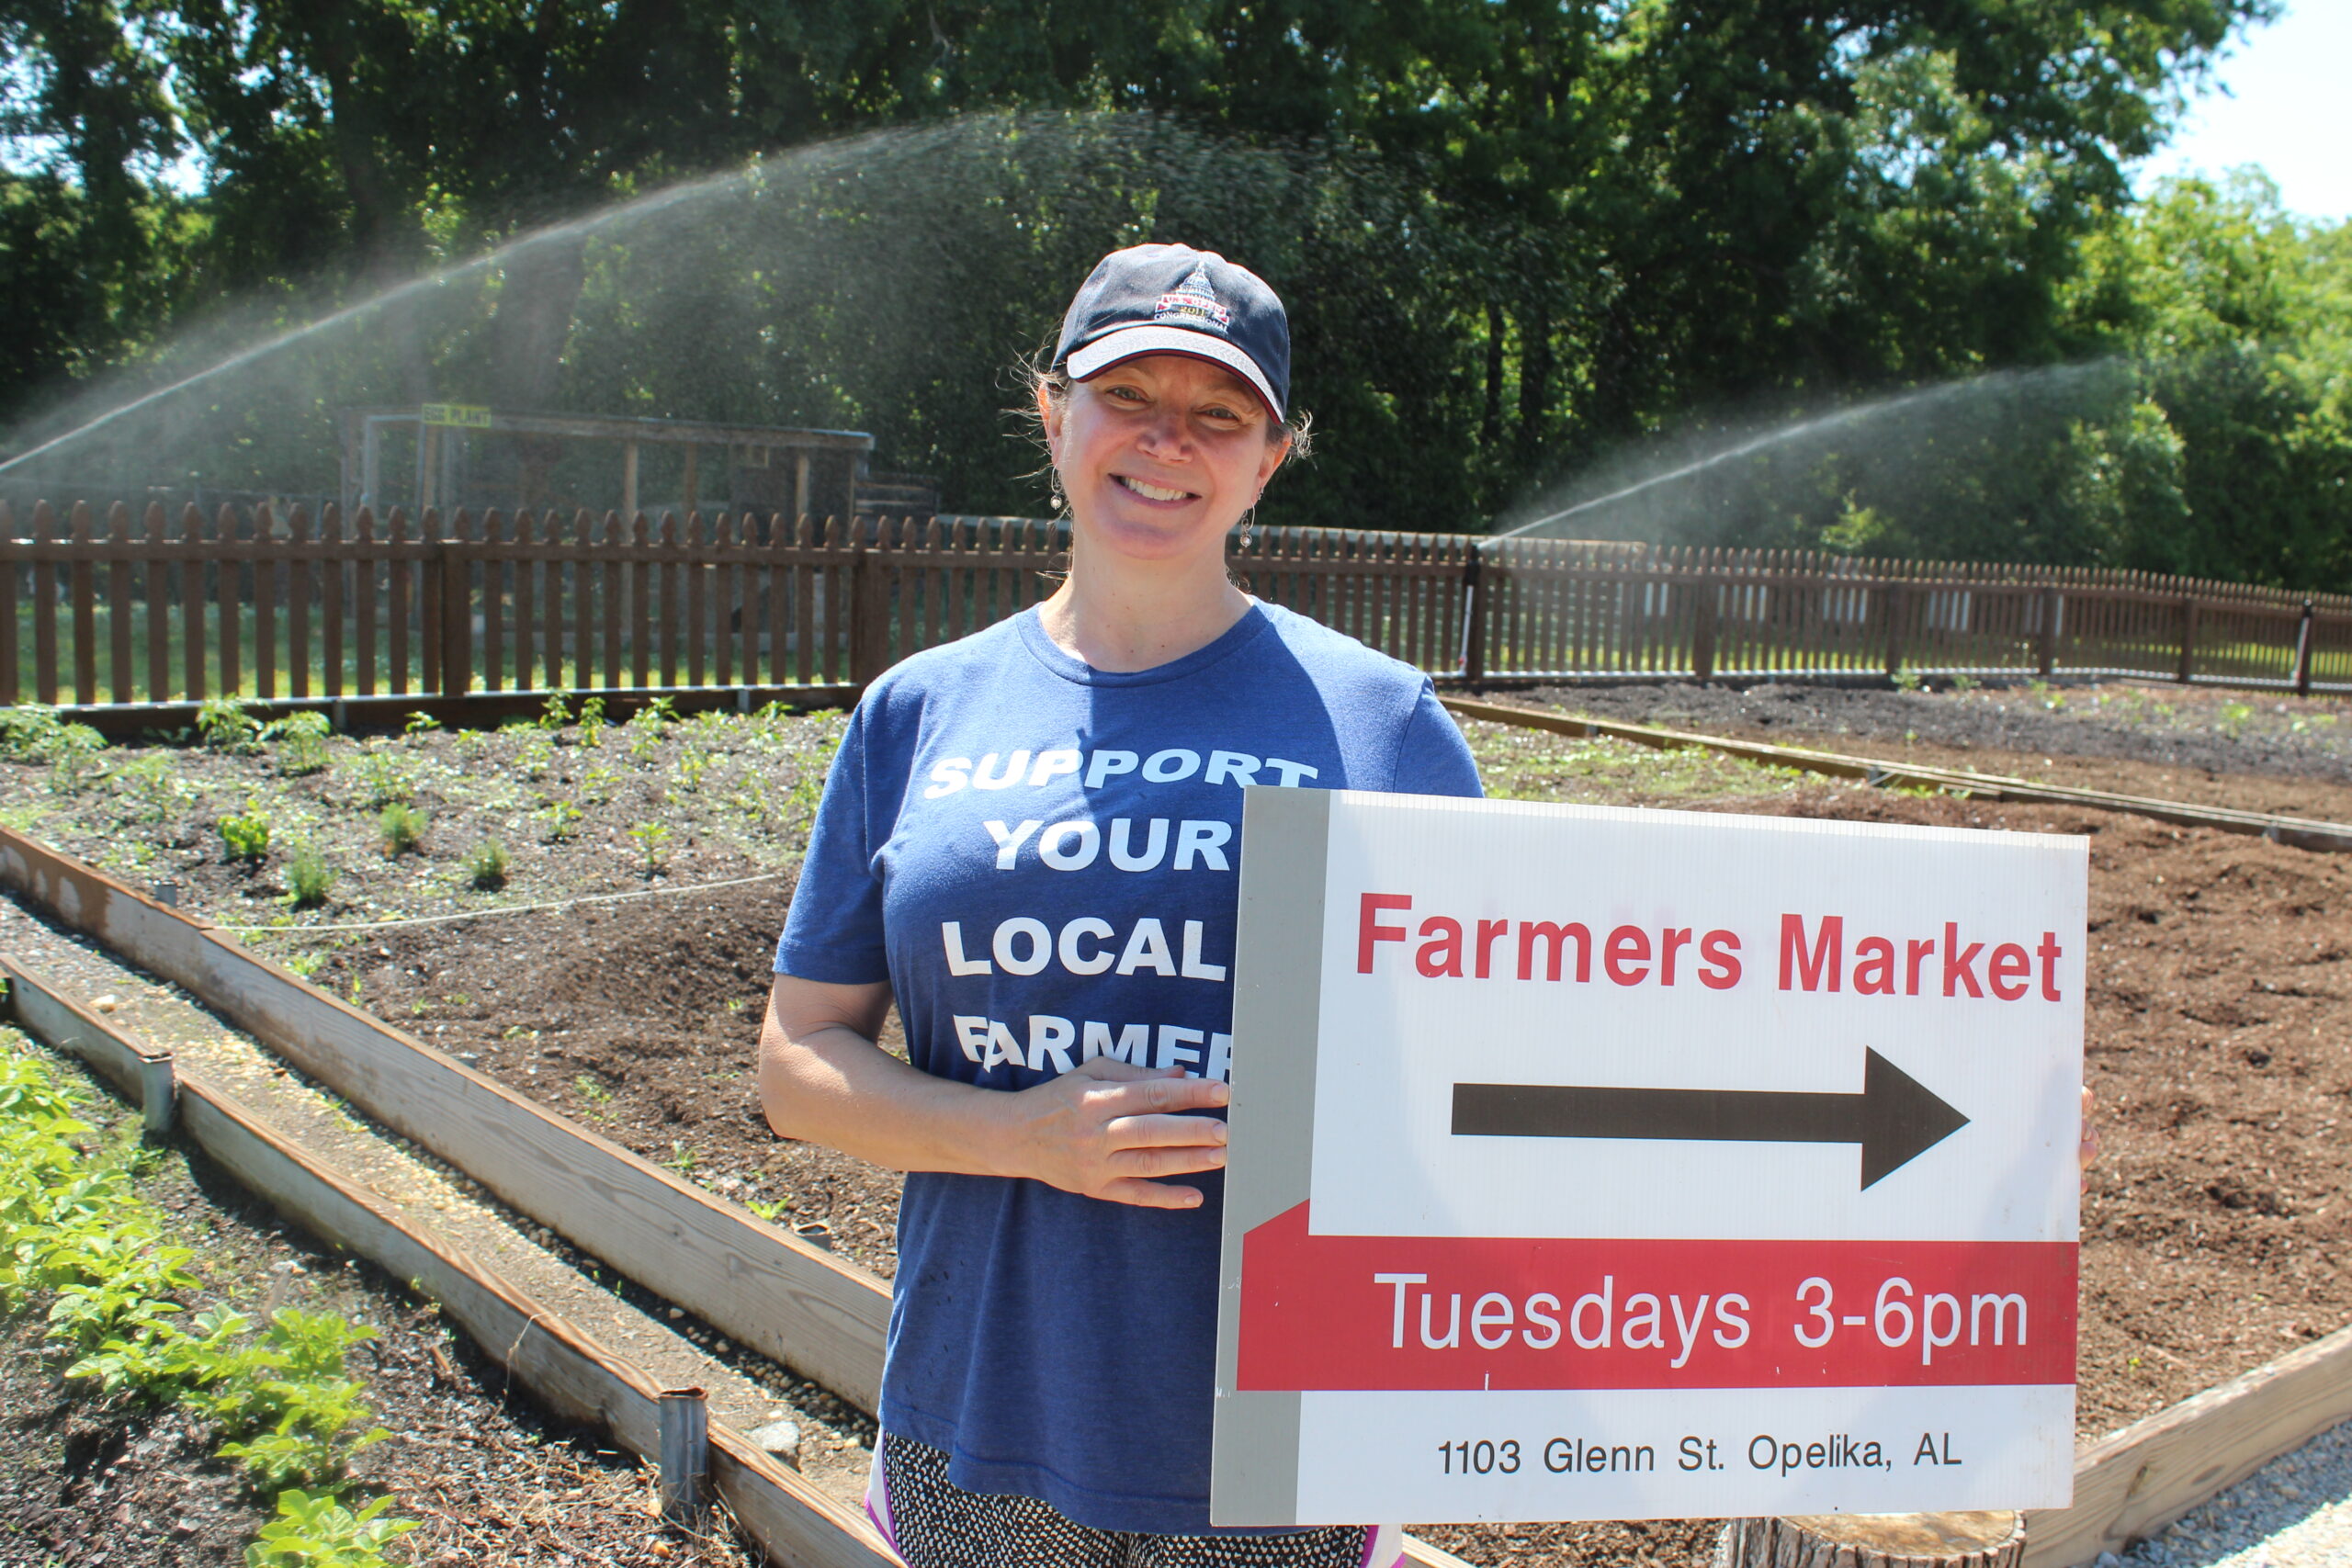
119, 608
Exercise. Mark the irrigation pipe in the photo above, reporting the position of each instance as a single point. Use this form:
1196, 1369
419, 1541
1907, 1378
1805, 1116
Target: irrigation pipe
503, 909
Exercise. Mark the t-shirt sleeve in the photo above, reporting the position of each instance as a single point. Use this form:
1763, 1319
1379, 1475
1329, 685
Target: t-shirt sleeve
835, 930
1432, 758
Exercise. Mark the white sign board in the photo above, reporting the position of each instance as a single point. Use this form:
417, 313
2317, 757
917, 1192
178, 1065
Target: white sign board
1603, 1164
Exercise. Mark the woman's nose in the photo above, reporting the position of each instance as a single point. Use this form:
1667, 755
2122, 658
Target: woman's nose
1164, 435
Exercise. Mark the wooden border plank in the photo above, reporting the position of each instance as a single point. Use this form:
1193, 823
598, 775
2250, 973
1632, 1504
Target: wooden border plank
760, 1285
567, 1369
2132, 1485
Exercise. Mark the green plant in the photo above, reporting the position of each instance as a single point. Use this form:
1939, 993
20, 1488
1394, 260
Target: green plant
289, 1391
401, 828
26, 728
149, 783
316, 1530
421, 723
300, 739
592, 1089
591, 723
389, 777
73, 1226
246, 837
598, 784
692, 765
536, 757
485, 865
682, 1160
73, 752
307, 878
653, 839
557, 713
225, 725
1964, 682
562, 818
306, 965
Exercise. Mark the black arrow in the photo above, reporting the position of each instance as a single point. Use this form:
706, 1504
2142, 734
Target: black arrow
1894, 1119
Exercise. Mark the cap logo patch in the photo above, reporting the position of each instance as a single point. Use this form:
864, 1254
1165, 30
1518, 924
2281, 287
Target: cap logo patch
1193, 303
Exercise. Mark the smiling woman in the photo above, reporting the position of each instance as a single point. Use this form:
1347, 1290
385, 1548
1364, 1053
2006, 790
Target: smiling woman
1030, 843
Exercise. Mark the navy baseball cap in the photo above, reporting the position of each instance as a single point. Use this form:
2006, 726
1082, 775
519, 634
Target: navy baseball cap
1175, 299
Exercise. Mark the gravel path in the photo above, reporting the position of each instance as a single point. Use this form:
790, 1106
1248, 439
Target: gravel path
2295, 1512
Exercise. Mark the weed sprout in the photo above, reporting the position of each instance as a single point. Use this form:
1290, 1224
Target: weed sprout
485, 865
245, 836
307, 878
401, 825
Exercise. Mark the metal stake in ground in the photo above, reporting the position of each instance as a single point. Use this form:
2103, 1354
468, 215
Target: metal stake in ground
685, 1456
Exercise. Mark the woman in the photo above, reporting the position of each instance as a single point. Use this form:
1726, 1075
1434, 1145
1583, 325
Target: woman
1030, 840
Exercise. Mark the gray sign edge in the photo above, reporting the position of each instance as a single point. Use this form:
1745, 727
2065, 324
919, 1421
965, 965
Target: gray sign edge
1277, 1010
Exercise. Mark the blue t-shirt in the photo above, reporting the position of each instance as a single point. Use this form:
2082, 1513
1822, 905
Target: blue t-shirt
1041, 858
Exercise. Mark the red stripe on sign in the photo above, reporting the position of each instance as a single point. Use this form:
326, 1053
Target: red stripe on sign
1362, 1312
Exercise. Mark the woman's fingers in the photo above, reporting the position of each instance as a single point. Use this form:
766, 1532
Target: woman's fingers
1151, 1194
1160, 1132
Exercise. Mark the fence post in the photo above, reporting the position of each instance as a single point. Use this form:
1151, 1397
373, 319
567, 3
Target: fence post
1893, 597
456, 608
2303, 630
2187, 635
1473, 618
1703, 629
869, 611
2047, 656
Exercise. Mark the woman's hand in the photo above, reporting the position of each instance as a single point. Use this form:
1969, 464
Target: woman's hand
1105, 1130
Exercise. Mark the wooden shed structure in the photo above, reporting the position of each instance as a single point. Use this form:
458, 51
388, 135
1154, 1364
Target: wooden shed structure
459, 455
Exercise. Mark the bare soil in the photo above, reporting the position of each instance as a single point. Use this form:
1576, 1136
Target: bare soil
2255, 752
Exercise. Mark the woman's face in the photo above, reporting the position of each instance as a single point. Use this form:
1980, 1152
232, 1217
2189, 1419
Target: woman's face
1160, 455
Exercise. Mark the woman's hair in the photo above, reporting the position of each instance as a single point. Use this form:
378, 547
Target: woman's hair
1039, 376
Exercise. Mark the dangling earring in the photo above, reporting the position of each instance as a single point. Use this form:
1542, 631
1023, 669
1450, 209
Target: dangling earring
1248, 521
1054, 492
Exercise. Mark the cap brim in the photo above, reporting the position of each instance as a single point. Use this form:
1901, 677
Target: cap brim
1133, 343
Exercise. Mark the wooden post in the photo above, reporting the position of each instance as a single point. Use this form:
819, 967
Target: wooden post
2303, 652
1473, 618
1874, 1540
2046, 654
455, 608
428, 465
1896, 599
801, 484
869, 612
2187, 635
1702, 630
629, 479
685, 1455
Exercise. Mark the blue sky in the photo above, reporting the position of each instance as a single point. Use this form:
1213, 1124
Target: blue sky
2288, 108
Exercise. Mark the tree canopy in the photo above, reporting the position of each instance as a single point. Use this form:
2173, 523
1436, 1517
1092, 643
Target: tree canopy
1524, 241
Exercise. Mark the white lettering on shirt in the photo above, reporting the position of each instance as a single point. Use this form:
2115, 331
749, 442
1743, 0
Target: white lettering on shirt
1008, 843
1208, 840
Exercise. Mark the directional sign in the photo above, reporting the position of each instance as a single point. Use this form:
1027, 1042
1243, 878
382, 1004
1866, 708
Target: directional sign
1601, 1163
1892, 1119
